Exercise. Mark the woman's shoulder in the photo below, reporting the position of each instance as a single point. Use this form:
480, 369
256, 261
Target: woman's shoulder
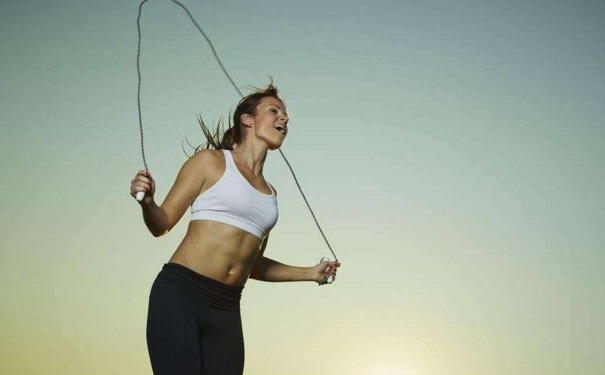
207, 160
207, 155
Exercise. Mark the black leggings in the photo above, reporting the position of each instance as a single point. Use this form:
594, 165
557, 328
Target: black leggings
194, 324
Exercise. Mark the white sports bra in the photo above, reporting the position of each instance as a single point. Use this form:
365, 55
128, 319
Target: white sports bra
233, 200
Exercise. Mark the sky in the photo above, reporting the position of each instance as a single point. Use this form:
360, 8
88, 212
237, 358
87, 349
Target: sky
452, 151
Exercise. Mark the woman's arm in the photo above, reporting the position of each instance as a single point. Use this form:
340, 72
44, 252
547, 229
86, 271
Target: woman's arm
187, 186
266, 269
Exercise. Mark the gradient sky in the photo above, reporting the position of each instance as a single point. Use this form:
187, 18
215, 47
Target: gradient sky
452, 150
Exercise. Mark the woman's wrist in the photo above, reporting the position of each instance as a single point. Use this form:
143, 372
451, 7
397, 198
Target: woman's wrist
312, 274
147, 202
309, 274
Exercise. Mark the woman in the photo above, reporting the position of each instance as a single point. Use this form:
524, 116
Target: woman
194, 323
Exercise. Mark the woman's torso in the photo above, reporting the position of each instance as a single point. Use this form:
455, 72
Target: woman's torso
220, 251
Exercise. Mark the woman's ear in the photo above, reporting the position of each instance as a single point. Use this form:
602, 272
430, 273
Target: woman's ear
247, 120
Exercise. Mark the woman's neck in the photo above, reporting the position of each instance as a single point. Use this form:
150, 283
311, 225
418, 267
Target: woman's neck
251, 156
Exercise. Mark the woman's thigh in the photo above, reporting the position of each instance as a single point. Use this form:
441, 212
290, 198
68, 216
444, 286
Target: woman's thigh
172, 334
187, 336
221, 342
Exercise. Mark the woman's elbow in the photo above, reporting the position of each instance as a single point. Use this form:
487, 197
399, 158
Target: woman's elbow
254, 275
158, 232
258, 270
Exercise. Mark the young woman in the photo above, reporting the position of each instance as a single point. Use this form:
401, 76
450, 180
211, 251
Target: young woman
194, 323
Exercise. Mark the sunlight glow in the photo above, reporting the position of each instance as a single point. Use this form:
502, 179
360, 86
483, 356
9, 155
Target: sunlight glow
390, 369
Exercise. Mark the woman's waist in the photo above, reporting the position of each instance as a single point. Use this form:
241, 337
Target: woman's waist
226, 258
209, 290
229, 273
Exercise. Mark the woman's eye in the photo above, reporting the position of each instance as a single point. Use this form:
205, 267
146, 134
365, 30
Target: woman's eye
273, 110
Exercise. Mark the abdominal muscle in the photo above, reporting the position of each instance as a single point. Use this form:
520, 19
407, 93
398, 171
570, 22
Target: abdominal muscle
219, 251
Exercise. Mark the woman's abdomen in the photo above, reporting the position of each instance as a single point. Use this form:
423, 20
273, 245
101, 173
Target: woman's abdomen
219, 251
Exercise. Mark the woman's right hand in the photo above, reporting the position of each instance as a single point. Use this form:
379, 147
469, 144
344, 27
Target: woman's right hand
143, 182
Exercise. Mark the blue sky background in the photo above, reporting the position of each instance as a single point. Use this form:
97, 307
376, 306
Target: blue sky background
452, 150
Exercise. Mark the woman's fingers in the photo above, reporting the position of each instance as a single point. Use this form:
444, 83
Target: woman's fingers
141, 182
329, 269
335, 268
142, 186
332, 268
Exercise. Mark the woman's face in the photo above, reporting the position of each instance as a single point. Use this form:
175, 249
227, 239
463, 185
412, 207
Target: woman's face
270, 122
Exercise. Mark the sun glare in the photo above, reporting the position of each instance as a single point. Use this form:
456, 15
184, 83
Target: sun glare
389, 369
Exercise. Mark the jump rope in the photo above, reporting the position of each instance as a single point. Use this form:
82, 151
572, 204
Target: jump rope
328, 279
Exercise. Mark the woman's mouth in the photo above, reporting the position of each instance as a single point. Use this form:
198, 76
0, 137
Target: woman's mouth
280, 128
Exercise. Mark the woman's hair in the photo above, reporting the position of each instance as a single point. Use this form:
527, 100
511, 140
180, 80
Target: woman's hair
219, 139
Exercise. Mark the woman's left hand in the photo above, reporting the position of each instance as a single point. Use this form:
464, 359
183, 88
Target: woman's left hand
319, 271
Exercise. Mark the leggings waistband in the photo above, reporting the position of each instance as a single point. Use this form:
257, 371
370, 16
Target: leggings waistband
213, 292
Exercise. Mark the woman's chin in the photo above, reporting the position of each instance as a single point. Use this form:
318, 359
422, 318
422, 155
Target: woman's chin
276, 145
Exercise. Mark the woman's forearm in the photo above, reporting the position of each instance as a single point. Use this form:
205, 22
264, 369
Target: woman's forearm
267, 269
154, 218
